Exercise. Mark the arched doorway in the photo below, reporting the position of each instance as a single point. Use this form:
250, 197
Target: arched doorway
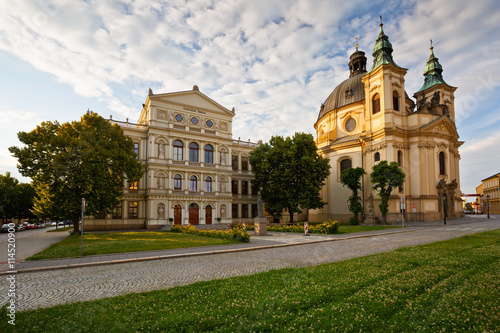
177, 214
208, 214
193, 213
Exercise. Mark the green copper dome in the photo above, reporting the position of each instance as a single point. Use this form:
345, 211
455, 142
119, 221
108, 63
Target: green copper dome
432, 72
382, 51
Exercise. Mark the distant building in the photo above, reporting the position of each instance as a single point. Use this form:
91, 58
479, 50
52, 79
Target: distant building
491, 194
369, 117
195, 173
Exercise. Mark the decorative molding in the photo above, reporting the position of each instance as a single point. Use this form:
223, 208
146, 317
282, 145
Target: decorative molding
374, 87
376, 148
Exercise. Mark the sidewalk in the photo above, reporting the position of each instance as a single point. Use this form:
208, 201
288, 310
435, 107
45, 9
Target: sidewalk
273, 240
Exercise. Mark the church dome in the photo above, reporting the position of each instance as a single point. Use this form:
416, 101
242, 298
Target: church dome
350, 91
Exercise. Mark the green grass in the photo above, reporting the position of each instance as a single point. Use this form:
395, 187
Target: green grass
347, 228
450, 286
121, 242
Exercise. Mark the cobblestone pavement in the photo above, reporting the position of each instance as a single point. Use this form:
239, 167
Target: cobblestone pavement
49, 288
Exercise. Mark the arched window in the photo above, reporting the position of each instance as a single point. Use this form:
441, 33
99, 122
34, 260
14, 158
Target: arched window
376, 157
395, 101
376, 103
208, 184
193, 183
400, 158
178, 150
193, 152
209, 154
177, 182
442, 169
345, 164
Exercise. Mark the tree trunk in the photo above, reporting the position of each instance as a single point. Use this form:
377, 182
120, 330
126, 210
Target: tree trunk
76, 226
290, 211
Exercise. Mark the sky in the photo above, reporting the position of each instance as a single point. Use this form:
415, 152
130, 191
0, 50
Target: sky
274, 61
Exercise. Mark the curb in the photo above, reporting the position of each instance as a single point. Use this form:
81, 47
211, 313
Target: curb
194, 254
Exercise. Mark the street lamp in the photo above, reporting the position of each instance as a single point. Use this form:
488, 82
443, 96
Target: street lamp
444, 207
488, 203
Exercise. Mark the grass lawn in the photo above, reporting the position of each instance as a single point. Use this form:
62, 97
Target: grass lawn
121, 242
347, 228
450, 286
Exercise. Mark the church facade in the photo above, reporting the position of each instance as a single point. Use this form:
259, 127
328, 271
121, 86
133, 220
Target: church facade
195, 173
369, 117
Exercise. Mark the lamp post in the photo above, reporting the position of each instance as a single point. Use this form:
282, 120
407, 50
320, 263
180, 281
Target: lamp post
444, 207
488, 203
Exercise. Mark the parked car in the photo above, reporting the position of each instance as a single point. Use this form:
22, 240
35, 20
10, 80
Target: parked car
41, 225
19, 227
29, 226
53, 224
5, 227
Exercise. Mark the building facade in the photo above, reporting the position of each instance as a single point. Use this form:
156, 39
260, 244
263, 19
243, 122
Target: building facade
491, 194
369, 117
195, 173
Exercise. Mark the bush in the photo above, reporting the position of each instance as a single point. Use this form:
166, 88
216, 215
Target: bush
353, 221
329, 227
236, 233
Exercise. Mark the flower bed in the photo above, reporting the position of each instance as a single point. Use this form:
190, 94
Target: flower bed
234, 233
328, 227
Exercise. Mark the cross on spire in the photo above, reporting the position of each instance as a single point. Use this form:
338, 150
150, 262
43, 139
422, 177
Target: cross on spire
381, 24
432, 47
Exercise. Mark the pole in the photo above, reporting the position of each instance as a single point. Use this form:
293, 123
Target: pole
488, 209
81, 231
403, 211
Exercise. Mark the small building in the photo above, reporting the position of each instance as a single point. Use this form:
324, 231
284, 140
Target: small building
195, 173
491, 194
369, 117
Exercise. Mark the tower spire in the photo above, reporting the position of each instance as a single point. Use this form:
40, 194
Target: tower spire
432, 72
382, 51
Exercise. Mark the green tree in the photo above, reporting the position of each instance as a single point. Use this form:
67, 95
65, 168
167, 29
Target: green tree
8, 196
289, 174
352, 179
87, 159
385, 177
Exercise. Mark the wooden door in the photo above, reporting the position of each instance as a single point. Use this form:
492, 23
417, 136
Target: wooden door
177, 214
193, 213
208, 215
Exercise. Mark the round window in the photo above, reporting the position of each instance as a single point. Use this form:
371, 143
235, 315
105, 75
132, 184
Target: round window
210, 123
194, 120
178, 117
350, 124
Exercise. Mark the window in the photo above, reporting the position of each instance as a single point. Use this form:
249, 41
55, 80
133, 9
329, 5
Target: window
400, 158
235, 210
376, 103
178, 117
244, 163
194, 120
132, 210
210, 123
209, 154
442, 169
133, 186
244, 211
345, 164
117, 212
255, 210
234, 162
193, 182
244, 187
208, 184
136, 150
177, 182
234, 186
178, 150
376, 157
395, 101
193, 152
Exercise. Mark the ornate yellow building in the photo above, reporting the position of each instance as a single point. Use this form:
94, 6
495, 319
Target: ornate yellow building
369, 118
194, 171
491, 194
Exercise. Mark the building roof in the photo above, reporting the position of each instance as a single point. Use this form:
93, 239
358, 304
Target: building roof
497, 174
432, 72
382, 51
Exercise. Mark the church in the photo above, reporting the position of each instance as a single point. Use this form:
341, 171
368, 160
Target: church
369, 118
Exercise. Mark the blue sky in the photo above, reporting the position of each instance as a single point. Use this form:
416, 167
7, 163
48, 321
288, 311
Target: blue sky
275, 62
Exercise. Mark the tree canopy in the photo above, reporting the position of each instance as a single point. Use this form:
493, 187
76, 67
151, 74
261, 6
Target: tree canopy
16, 199
289, 174
352, 179
385, 177
87, 159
